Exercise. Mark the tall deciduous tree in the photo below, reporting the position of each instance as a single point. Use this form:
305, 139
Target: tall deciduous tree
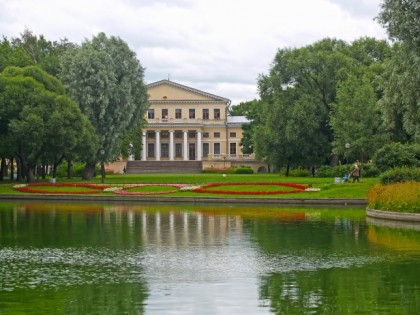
299, 91
39, 121
106, 79
401, 100
356, 119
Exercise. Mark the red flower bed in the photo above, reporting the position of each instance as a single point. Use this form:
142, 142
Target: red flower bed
93, 188
299, 188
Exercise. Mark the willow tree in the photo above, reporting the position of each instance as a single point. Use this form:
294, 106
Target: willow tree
106, 79
401, 100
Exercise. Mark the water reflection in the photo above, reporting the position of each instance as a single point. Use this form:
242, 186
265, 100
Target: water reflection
198, 259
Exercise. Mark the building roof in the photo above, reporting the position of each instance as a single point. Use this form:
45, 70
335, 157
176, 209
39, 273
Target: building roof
190, 89
237, 120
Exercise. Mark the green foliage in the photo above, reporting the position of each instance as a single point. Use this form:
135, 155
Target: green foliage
366, 170
242, 170
402, 21
309, 87
397, 155
401, 101
299, 172
213, 170
78, 169
333, 171
400, 174
106, 79
356, 119
39, 122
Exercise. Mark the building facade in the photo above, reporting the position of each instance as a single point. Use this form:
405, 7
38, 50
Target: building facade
187, 124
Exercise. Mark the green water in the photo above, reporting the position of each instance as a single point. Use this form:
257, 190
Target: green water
195, 259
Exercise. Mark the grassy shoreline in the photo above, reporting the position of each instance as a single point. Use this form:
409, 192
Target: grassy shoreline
329, 189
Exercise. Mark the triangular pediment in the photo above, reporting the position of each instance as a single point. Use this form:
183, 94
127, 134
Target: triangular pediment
166, 90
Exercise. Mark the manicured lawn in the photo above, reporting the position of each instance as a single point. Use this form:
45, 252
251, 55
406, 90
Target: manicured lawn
329, 189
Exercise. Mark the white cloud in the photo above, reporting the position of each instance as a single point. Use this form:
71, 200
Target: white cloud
219, 46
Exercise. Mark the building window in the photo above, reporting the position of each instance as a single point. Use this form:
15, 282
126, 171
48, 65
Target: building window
205, 113
151, 114
191, 113
217, 113
206, 149
164, 149
216, 148
178, 134
178, 150
232, 134
151, 150
151, 134
164, 113
192, 134
164, 134
232, 148
205, 135
178, 113
217, 135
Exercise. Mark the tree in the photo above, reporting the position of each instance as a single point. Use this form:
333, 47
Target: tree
39, 122
42, 52
106, 79
299, 92
401, 100
356, 119
252, 111
12, 56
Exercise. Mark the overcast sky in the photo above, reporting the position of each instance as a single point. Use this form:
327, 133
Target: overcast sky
218, 46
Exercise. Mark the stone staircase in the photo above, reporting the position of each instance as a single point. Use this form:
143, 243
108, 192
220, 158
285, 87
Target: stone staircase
150, 167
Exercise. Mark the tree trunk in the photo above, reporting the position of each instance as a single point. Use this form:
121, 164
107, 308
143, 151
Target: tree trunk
89, 171
19, 170
54, 171
69, 169
287, 169
3, 168
102, 172
43, 171
30, 178
38, 171
12, 169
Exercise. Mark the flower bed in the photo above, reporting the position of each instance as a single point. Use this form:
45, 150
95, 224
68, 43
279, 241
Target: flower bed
27, 188
204, 188
398, 197
123, 190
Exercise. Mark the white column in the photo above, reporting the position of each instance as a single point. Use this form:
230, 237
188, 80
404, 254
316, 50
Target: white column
143, 146
157, 145
185, 145
199, 145
171, 145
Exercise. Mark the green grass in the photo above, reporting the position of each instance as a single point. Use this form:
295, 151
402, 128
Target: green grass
329, 189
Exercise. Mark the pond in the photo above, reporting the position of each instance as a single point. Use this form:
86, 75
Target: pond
91, 258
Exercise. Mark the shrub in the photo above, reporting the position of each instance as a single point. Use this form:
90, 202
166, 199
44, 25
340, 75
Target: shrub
213, 170
399, 197
397, 155
369, 170
243, 170
300, 172
400, 174
333, 171
78, 169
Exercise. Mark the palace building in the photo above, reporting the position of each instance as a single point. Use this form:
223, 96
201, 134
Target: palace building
189, 129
